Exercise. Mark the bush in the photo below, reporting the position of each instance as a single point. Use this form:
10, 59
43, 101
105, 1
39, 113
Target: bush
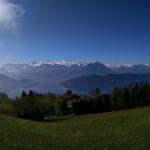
33, 107
63, 106
6, 107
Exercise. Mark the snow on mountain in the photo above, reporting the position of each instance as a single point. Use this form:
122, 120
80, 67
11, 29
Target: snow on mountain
111, 66
72, 63
62, 63
50, 65
140, 68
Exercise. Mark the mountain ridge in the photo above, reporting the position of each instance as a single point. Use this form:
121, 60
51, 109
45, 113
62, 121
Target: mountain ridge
106, 83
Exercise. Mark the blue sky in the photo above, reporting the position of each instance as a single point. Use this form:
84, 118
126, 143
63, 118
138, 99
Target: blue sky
110, 31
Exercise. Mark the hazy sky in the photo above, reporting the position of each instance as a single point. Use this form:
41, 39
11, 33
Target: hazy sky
110, 31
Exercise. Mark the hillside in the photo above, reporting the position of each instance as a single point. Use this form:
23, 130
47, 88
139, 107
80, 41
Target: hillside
106, 83
122, 130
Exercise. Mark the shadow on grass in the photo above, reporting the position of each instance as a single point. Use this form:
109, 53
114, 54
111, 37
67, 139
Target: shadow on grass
56, 119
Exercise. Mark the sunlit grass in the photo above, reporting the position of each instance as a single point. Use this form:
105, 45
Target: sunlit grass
122, 130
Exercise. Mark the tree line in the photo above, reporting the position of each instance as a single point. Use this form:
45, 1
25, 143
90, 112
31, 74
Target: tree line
33, 105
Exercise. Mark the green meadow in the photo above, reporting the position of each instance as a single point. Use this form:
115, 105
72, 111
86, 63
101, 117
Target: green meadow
121, 130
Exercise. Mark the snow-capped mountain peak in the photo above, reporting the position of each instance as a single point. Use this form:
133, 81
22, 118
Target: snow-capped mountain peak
117, 66
63, 63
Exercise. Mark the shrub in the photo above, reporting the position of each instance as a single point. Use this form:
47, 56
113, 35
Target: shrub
33, 107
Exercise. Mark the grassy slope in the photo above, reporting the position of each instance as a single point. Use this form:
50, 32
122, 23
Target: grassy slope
123, 130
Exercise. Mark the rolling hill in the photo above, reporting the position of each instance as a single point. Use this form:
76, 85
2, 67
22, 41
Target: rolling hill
122, 130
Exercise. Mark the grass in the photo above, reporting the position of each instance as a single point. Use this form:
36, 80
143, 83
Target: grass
122, 130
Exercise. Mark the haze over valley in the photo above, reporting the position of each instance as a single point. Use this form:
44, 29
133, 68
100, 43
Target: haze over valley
59, 76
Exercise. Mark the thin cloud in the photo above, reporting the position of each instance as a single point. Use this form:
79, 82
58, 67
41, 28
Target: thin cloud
10, 15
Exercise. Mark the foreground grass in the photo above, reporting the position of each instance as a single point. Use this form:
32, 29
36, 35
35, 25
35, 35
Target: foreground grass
122, 130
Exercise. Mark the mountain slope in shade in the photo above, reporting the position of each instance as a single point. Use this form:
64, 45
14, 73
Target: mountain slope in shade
106, 83
12, 86
95, 68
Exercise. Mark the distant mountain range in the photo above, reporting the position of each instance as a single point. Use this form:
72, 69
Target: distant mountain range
49, 75
70, 68
142, 68
55, 71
